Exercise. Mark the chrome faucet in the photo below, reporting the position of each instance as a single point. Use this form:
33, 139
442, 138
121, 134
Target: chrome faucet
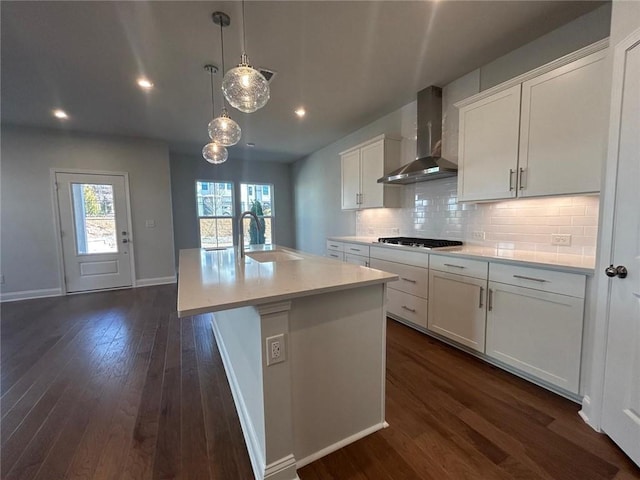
241, 230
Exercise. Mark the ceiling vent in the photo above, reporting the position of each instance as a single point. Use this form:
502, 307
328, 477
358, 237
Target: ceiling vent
268, 74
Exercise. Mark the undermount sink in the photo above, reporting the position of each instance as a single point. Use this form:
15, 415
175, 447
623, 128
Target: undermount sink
272, 256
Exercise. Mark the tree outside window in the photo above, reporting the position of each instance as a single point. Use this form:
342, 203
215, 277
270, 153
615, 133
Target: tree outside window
258, 198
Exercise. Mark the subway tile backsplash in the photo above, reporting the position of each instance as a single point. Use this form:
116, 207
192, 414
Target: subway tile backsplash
430, 209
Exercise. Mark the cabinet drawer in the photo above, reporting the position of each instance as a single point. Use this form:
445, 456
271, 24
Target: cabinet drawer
336, 255
413, 280
460, 266
409, 307
333, 245
356, 259
356, 249
539, 279
391, 254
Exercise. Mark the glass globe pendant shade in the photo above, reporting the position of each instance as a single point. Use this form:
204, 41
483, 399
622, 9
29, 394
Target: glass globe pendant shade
224, 131
214, 153
245, 88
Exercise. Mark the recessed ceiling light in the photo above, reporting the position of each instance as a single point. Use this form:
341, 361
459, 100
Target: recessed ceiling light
145, 83
251, 144
60, 114
301, 112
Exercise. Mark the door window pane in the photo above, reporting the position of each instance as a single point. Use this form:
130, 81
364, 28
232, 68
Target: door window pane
94, 218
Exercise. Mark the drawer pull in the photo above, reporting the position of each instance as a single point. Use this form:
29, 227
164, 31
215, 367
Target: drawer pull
541, 280
354, 249
408, 280
452, 265
490, 304
412, 310
481, 295
334, 256
334, 246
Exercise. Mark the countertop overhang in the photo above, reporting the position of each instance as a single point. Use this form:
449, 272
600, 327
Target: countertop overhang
214, 280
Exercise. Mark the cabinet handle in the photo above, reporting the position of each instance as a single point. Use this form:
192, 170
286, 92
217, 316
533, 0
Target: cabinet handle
541, 280
408, 280
366, 264
452, 265
490, 303
334, 256
511, 172
520, 182
481, 295
412, 310
361, 196
354, 249
332, 245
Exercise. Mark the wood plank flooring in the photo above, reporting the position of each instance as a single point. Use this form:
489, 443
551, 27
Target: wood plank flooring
112, 385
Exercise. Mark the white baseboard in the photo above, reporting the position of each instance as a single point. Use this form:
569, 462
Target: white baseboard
342, 443
250, 437
148, 282
29, 294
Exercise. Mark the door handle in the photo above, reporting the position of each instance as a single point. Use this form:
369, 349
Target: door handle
520, 182
481, 295
490, 304
124, 240
620, 271
511, 172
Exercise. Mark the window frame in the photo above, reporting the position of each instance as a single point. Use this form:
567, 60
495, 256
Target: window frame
273, 208
232, 217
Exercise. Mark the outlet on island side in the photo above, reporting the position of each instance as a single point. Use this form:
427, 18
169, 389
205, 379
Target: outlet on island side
563, 240
276, 351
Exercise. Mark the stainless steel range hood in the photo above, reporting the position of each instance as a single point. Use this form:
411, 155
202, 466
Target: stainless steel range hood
429, 165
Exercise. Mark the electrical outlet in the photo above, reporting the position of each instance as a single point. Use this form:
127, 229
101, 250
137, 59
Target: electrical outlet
564, 240
477, 235
150, 223
276, 351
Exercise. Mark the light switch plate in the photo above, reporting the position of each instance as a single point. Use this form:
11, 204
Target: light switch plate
150, 223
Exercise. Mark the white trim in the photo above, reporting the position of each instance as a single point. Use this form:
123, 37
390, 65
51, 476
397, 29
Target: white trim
56, 219
592, 410
29, 294
148, 282
342, 443
250, 436
536, 72
282, 469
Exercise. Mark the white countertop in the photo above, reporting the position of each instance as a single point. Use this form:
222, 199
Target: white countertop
210, 281
571, 263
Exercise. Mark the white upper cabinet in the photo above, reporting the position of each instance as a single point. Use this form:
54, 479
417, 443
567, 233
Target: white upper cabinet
563, 130
543, 133
362, 166
488, 147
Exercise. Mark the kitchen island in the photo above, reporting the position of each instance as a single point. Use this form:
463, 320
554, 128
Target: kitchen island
302, 340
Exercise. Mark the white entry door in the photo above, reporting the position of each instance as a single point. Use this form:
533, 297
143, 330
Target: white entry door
94, 227
621, 408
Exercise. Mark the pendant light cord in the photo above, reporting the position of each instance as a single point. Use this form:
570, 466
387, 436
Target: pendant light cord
213, 108
222, 44
244, 30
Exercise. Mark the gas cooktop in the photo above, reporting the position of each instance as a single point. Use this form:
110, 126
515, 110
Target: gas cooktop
420, 242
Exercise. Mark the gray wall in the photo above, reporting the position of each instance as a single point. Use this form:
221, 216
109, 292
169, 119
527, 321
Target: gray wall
186, 169
316, 178
28, 254
317, 188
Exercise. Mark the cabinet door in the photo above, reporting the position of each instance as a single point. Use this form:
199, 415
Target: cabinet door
564, 129
537, 332
488, 147
457, 308
356, 259
350, 179
371, 169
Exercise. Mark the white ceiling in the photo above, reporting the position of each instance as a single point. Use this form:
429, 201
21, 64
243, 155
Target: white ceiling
346, 62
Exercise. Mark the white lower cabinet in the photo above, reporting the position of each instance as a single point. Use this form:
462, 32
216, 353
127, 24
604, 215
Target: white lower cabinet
407, 296
457, 308
536, 331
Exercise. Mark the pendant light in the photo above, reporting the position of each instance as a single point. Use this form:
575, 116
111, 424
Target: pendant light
244, 87
212, 152
223, 130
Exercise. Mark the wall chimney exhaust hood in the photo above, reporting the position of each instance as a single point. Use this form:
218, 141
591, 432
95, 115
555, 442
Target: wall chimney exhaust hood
429, 165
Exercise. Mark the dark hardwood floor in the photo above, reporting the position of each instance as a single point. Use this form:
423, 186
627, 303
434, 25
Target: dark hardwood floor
113, 386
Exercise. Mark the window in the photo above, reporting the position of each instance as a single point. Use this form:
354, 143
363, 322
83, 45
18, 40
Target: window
258, 198
215, 213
